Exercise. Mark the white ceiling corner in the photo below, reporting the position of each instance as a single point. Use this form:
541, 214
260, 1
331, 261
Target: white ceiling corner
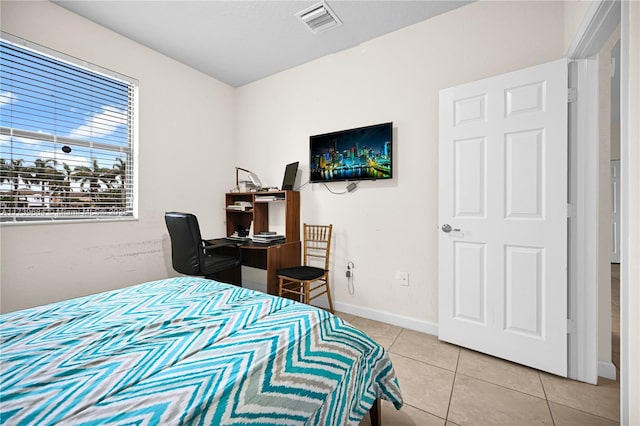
241, 41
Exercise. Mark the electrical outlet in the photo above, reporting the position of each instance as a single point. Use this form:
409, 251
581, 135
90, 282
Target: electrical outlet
349, 271
401, 278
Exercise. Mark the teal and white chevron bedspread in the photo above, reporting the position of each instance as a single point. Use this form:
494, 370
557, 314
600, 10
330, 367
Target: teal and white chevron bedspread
188, 351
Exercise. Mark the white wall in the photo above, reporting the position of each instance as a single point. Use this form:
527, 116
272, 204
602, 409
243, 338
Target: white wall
186, 155
384, 227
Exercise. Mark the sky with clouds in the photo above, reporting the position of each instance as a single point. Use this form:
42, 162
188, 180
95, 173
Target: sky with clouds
49, 100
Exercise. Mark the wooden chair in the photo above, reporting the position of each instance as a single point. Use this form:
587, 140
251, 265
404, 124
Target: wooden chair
310, 280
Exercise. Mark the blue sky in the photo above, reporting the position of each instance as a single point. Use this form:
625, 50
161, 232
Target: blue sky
49, 97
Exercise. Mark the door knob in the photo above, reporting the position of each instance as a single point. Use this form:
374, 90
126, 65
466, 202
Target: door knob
447, 228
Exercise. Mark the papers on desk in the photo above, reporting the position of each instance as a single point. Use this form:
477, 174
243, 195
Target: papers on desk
268, 198
262, 238
239, 208
236, 237
268, 238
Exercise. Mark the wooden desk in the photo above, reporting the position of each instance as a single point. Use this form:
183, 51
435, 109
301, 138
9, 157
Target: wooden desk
263, 256
268, 257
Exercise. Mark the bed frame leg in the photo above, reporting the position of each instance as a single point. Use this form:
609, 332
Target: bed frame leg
374, 413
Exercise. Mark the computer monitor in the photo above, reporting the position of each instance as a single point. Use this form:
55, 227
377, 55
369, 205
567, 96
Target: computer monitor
290, 173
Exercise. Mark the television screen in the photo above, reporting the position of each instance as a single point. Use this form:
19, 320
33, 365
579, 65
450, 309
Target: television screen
364, 153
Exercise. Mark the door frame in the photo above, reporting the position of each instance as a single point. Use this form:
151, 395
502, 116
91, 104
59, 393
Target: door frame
599, 22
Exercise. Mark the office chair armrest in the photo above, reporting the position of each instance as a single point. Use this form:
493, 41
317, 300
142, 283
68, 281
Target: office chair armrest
214, 244
227, 247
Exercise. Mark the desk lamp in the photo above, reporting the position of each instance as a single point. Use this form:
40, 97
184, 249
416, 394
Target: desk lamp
252, 177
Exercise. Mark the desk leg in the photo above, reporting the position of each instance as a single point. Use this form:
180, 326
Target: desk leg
281, 256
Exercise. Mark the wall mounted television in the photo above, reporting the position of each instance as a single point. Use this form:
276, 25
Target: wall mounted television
363, 153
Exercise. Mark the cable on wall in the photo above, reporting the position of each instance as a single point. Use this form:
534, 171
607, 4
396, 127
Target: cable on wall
349, 275
349, 188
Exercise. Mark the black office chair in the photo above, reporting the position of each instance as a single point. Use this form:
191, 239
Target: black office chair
191, 255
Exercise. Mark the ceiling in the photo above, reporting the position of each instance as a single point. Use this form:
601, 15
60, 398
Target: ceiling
241, 41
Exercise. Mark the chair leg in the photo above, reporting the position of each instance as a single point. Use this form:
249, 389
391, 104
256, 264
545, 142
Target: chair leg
329, 295
306, 292
280, 281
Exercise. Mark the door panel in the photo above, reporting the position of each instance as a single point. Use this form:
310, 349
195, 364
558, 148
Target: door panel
524, 167
469, 281
503, 193
470, 177
524, 284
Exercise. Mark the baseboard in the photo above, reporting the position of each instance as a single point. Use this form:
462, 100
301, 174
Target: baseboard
607, 369
388, 317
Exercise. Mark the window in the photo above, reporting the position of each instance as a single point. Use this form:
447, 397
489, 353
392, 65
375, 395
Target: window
67, 133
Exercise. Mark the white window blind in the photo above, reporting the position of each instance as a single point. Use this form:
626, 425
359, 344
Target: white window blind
67, 133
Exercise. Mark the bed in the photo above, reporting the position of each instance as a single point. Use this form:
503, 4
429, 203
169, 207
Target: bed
188, 351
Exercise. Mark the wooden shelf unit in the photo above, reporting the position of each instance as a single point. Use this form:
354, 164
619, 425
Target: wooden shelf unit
259, 213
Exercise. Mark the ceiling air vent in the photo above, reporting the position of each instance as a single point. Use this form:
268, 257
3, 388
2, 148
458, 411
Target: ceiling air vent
319, 18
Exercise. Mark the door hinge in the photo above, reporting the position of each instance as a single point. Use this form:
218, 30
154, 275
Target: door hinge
571, 210
571, 327
572, 95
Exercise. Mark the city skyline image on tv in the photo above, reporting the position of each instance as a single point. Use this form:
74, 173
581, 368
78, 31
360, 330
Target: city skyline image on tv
364, 153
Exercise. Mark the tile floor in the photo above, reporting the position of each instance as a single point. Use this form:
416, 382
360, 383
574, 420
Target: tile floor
443, 384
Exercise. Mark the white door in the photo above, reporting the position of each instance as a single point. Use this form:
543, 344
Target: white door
503, 216
615, 211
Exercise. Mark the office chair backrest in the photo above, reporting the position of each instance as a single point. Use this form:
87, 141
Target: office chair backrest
186, 242
317, 245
